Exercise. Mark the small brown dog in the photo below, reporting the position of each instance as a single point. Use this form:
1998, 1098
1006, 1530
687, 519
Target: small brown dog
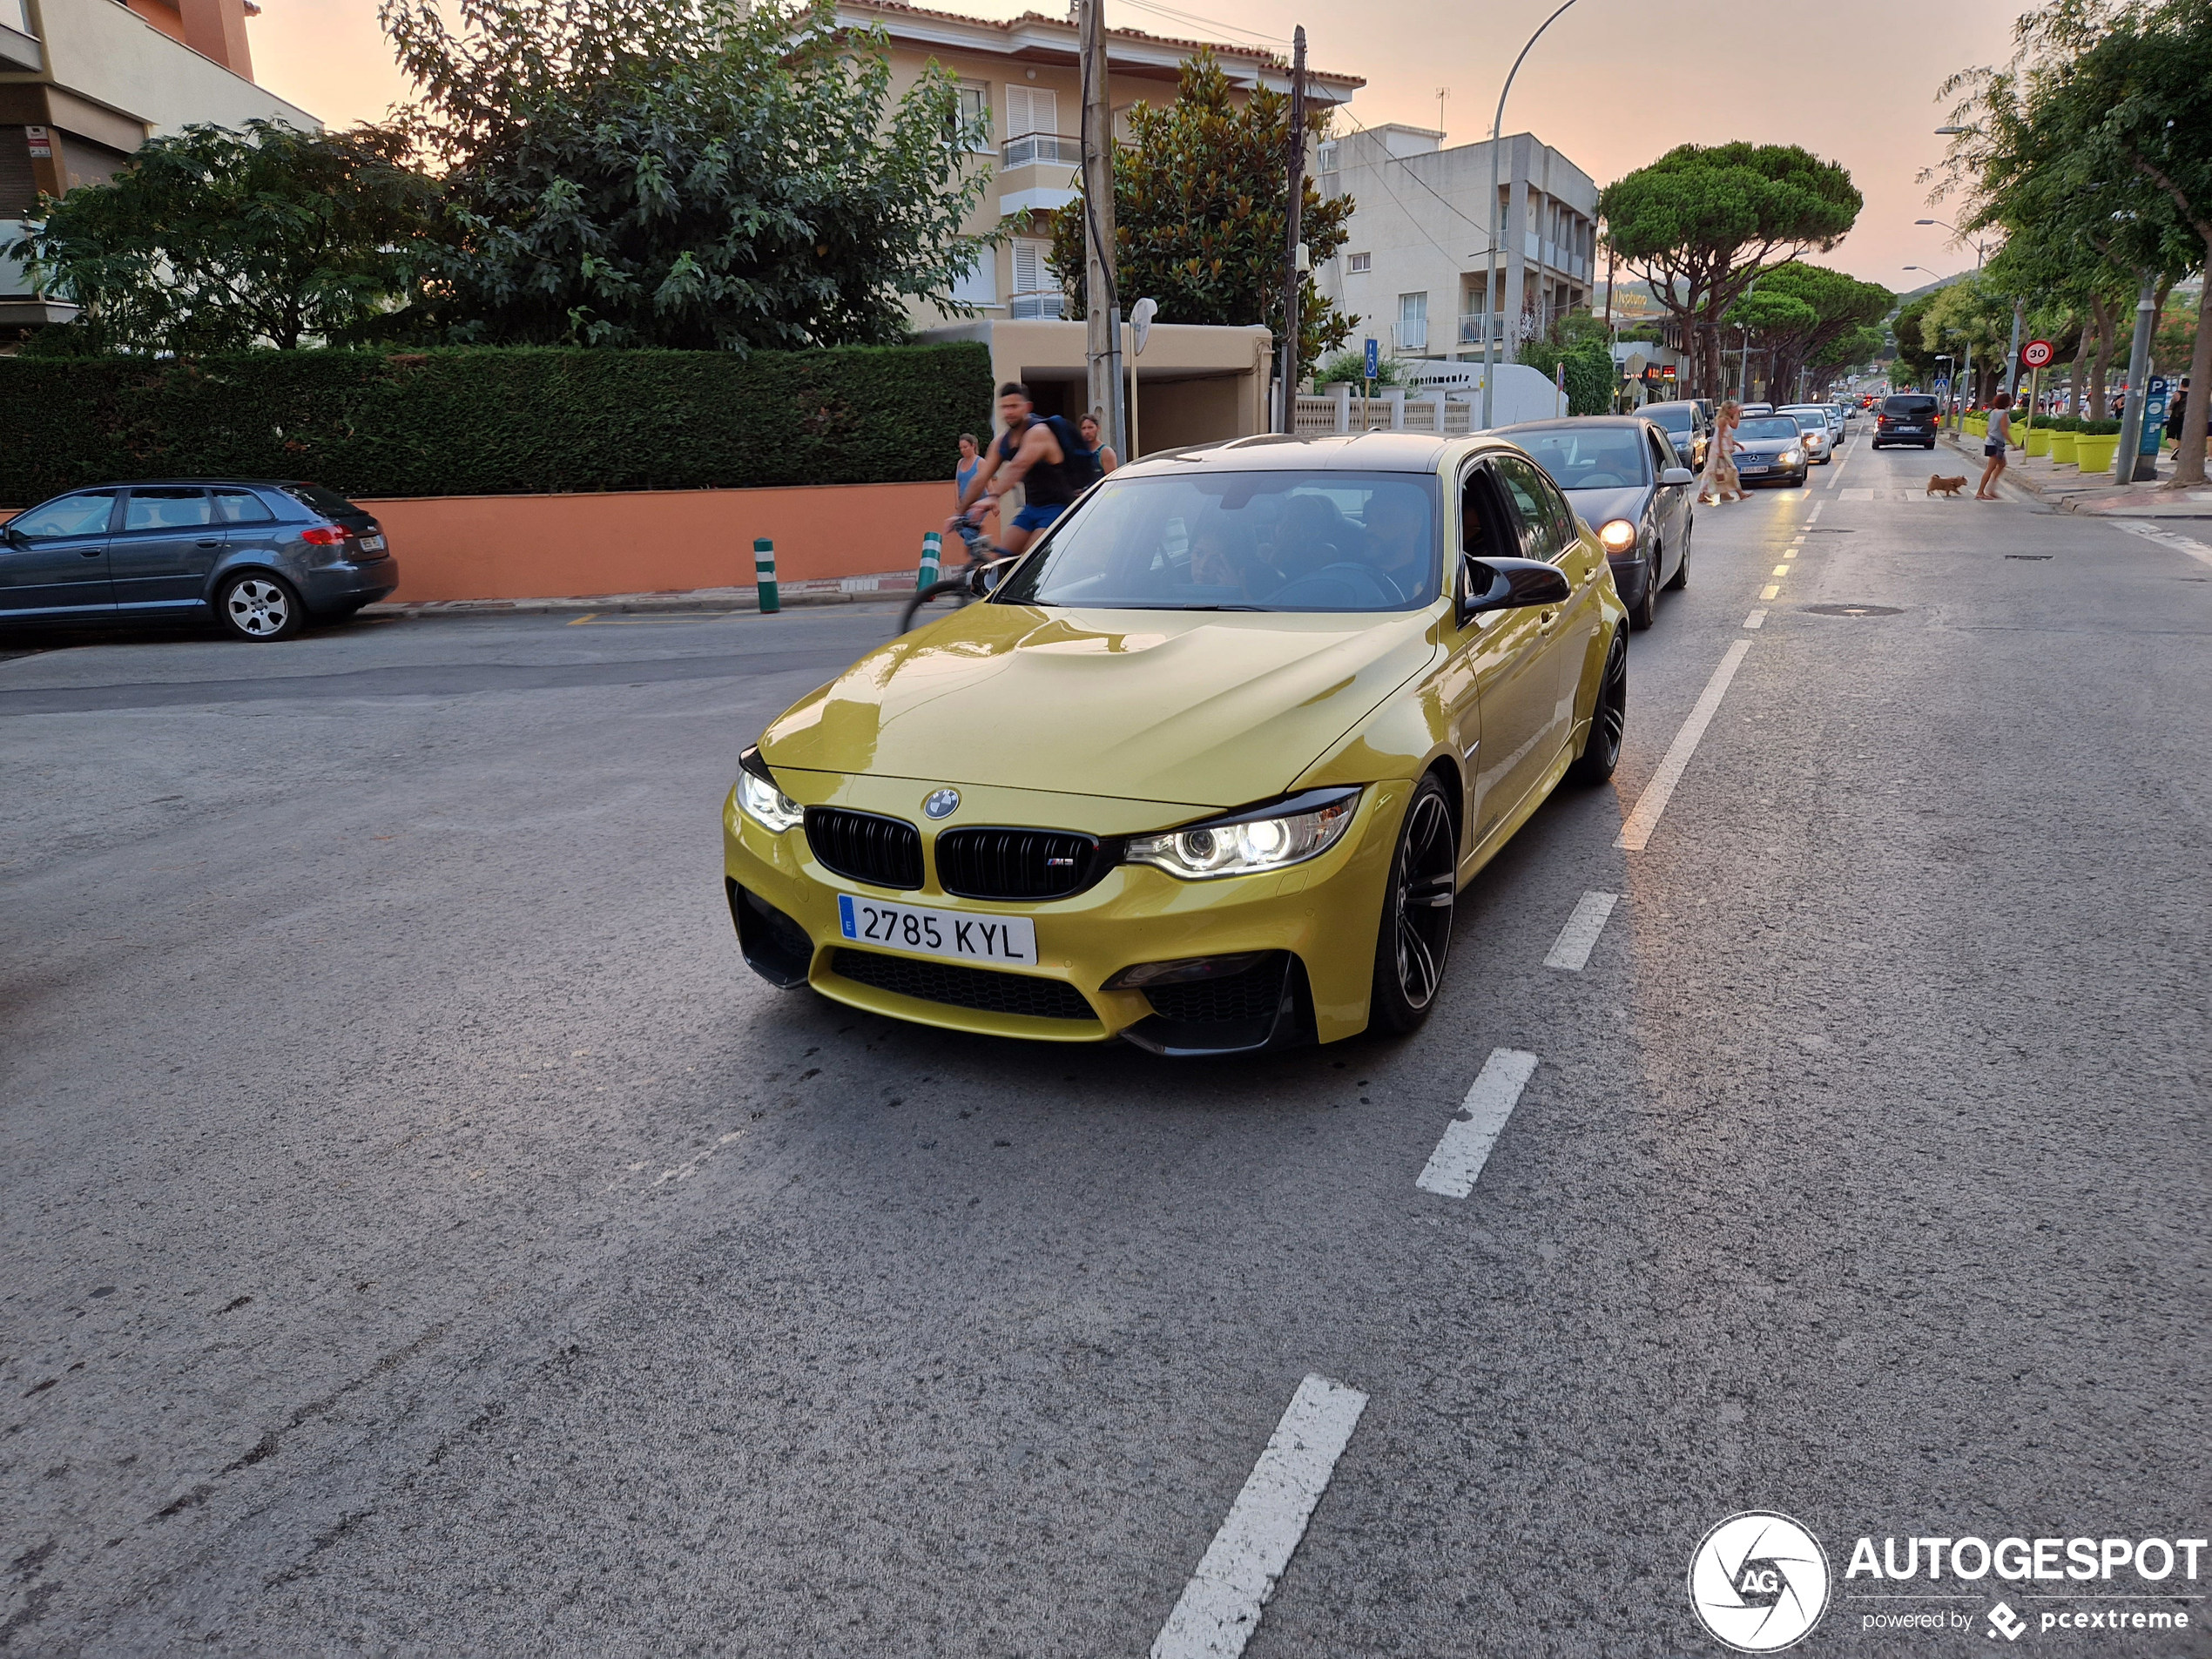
1950, 487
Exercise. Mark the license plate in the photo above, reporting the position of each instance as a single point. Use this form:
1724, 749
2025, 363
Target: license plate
1912, 429
372, 544
1750, 466
1008, 940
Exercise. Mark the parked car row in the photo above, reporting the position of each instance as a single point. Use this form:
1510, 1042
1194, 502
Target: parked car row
260, 559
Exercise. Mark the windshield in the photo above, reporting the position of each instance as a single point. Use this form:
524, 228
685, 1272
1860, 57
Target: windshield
1768, 426
1241, 541
1608, 457
1673, 420
1809, 419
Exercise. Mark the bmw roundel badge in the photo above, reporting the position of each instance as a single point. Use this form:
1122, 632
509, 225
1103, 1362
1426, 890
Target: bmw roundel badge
942, 803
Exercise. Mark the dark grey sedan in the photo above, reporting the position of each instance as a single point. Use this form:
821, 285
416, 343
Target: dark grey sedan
1622, 476
261, 558
1770, 448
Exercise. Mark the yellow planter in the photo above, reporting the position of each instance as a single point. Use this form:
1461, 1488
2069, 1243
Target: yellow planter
2062, 449
2095, 454
2037, 442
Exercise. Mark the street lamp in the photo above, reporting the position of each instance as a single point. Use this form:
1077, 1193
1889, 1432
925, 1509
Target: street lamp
1490, 259
1966, 369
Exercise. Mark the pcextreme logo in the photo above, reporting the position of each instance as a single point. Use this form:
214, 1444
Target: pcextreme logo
1759, 1582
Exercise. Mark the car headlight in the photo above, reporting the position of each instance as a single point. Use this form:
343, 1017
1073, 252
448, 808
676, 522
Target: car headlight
1791, 457
1281, 832
762, 801
1618, 534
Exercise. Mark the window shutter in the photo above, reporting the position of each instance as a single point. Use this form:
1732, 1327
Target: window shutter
1031, 109
1029, 267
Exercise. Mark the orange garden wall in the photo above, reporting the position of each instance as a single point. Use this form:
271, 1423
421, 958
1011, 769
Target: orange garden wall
550, 547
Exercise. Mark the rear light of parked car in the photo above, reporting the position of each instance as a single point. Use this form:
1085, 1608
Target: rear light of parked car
323, 535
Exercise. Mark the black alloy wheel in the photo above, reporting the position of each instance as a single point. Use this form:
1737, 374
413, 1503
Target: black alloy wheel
1646, 611
1608, 718
1416, 933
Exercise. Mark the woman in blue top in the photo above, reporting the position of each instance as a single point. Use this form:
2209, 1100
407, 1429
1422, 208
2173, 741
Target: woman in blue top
1993, 447
969, 460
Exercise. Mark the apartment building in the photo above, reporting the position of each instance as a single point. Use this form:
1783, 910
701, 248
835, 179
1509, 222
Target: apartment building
1024, 75
1416, 269
84, 83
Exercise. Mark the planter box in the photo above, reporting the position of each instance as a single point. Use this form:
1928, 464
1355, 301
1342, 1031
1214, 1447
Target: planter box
2037, 442
2062, 449
2095, 454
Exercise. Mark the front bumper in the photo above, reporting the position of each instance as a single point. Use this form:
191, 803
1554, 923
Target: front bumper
1631, 575
1322, 914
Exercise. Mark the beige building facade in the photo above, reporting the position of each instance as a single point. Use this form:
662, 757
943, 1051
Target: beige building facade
84, 83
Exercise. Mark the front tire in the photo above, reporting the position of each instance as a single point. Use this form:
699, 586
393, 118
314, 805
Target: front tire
1415, 936
948, 594
1608, 719
1681, 570
258, 606
1646, 608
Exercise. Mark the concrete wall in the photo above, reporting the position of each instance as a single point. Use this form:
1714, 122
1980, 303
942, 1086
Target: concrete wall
551, 547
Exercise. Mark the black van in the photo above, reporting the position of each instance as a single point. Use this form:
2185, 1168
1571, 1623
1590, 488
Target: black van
1906, 417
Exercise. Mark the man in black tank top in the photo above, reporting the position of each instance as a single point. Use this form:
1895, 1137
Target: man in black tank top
1029, 454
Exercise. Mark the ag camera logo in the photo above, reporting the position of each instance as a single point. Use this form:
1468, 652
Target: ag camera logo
1759, 1582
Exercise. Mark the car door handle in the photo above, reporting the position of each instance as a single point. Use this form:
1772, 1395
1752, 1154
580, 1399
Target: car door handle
1546, 621
217, 541
91, 552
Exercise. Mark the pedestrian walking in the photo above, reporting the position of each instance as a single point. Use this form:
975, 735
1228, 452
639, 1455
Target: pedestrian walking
1107, 459
2175, 411
969, 460
1721, 482
1994, 446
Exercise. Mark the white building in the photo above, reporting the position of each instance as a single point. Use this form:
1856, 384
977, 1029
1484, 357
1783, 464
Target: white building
84, 83
1414, 270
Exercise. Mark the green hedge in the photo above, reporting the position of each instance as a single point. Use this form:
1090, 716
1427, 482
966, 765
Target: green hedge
496, 420
2099, 429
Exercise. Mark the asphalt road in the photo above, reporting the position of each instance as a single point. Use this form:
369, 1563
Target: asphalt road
424, 1236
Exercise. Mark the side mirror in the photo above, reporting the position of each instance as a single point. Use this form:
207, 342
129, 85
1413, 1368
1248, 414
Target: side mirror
11, 534
1509, 584
1677, 475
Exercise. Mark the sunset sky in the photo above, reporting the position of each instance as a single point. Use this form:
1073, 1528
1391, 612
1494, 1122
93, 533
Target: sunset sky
1612, 83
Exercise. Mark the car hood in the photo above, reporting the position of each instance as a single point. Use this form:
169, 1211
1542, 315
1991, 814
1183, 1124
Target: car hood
1206, 709
1596, 506
1767, 445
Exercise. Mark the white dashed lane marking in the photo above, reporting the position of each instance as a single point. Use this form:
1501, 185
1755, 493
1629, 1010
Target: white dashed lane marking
1756, 619
1572, 949
1770, 590
1458, 1160
1645, 818
1220, 1606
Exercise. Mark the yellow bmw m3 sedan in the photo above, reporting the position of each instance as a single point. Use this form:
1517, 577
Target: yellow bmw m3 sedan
1208, 766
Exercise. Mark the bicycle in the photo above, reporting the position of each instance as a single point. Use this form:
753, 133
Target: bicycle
974, 583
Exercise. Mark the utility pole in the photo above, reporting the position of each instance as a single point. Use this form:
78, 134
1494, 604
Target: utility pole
2131, 414
1102, 305
1297, 201
2012, 372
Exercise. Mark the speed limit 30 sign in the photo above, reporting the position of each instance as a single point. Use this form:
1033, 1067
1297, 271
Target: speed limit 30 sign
2037, 354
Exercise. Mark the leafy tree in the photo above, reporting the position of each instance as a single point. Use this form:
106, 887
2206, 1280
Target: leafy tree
1590, 377
1801, 314
2097, 138
1700, 224
213, 241
1353, 366
1201, 204
690, 173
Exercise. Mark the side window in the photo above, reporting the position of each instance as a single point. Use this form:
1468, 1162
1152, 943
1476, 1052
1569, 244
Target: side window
1565, 528
1663, 451
167, 510
1527, 492
81, 515
241, 506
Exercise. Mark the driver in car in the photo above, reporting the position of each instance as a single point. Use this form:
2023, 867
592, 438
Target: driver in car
1398, 547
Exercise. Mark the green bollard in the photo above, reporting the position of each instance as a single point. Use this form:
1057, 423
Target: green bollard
933, 552
764, 567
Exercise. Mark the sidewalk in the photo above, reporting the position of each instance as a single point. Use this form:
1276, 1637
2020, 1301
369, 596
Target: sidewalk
885, 589
2064, 489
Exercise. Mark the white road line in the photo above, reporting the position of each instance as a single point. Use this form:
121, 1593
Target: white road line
1458, 1158
1641, 821
1782, 570
1815, 513
1572, 949
1756, 619
2173, 539
1219, 1608
1769, 591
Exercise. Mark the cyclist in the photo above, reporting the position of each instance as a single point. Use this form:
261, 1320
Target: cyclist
1028, 453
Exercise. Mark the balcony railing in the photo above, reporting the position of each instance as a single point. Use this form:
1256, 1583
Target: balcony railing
1472, 324
1049, 303
1410, 336
1048, 149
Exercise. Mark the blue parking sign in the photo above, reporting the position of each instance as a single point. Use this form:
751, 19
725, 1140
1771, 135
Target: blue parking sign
1374, 360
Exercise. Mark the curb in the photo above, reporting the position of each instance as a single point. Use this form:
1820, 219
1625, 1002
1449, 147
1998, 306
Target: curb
2114, 501
844, 590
